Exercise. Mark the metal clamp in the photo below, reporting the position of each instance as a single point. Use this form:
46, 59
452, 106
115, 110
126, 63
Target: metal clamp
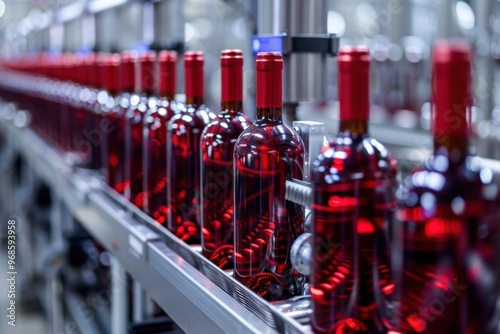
303, 43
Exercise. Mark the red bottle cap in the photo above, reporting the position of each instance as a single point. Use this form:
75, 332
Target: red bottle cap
168, 72
354, 84
194, 78
269, 66
231, 62
451, 88
91, 69
128, 71
148, 79
110, 73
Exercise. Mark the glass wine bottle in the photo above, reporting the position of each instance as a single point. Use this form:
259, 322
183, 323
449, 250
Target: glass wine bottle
155, 139
109, 104
139, 104
448, 231
266, 155
217, 148
354, 180
183, 152
117, 124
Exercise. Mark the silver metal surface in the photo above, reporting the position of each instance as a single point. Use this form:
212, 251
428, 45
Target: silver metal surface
313, 134
304, 74
119, 298
301, 254
74, 306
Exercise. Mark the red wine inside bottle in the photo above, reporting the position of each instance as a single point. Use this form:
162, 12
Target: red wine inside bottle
135, 128
155, 139
183, 152
354, 180
217, 148
449, 219
266, 155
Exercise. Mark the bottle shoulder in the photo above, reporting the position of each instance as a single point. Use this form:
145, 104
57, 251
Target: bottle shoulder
348, 155
227, 127
269, 137
442, 182
192, 117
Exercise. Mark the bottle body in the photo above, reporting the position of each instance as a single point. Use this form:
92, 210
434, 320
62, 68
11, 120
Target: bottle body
155, 159
183, 171
134, 138
449, 240
115, 173
217, 149
353, 208
448, 231
266, 155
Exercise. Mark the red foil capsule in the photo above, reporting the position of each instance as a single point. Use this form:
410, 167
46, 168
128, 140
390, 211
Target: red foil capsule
269, 66
148, 77
168, 73
354, 97
193, 76
110, 74
231, 63
451, 98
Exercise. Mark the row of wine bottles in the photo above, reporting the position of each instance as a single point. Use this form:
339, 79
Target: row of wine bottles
422, 256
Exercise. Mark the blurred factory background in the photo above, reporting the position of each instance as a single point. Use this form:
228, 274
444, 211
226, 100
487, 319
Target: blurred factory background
398, 32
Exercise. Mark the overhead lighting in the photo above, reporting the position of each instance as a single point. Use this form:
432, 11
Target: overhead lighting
96, 6
2, 8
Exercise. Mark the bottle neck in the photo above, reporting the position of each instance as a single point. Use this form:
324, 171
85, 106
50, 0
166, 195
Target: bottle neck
147, 92
274, 114
194, 101
456, 149
193, 85
231, 106
354, 127
167, 96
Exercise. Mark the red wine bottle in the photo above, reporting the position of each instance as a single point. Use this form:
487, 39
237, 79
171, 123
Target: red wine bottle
155, 139
217, 148
354, 180
134, 129
183, 152
266, 155
448, 231
117, 123
92, 126
109, 104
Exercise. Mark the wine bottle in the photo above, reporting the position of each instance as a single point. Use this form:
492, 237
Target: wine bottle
266, 155
109, 104
354, 180
183, 152
448, 231
217, 148
134, 129
117, 124
155, 139
91, 133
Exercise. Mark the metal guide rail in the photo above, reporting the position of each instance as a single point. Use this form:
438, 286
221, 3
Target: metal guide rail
196, 294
